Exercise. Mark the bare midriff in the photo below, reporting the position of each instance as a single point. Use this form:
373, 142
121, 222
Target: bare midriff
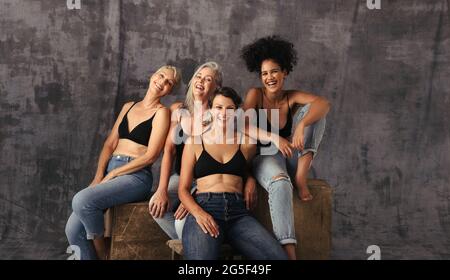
127, 147
220, 183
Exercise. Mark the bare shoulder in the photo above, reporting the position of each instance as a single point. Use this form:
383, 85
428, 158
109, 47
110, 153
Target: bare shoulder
193, 145
176, 105
253, 92
125, 108
252, 98
162, 112
127, 105
301, 97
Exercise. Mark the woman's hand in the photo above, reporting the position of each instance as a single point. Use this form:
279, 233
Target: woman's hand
207, 223
181, 212
158, 204
250, 193
284, 146
96, 181
298, 140
109, 176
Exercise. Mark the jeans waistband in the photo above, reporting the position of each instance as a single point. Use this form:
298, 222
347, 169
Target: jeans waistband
122, 157
219, 195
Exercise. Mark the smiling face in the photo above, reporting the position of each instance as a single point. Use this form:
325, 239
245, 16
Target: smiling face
272, 76
162, 82
223, 109
204, 84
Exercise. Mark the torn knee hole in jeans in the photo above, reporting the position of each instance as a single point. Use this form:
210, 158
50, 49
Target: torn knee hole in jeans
281, 176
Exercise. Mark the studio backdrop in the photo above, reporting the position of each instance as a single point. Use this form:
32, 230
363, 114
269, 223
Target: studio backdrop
65, 74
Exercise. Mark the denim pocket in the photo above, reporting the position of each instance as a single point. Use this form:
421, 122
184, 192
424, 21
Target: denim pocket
238, 203
145, 177
113, 164
201, 199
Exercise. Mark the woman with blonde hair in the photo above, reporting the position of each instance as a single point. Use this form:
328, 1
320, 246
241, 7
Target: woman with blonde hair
124, 167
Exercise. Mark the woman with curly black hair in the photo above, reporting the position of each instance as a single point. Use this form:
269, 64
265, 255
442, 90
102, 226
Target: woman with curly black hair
301, 120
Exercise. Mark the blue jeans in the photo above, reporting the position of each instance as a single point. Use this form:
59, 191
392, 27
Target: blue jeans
236, 227
273, 172
87, 219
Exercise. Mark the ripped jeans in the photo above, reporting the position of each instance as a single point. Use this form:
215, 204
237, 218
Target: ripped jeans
273, 172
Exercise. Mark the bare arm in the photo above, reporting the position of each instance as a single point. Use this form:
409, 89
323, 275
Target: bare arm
319, 105
319, 109
250, 193
169, 152
186, 177
159, 202
251, 130
109, 146
167, 161
204, 220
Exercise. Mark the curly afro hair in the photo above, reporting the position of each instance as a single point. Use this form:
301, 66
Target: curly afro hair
271, 47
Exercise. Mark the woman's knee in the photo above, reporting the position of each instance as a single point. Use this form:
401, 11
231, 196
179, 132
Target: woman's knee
280, 183
69, 230
80, 202
73, 228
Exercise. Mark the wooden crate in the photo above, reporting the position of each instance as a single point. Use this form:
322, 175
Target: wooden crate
312, 220
135, 235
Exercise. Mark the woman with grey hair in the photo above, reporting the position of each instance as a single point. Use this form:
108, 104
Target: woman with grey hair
191, 117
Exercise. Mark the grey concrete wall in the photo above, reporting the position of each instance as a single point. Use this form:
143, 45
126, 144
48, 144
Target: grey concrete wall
64, 74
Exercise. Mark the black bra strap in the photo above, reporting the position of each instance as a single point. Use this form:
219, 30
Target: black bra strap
201, 138
289, 107
240, 141
130, 108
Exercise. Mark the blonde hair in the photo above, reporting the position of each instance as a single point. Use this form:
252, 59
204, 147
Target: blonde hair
189, 102
176, 73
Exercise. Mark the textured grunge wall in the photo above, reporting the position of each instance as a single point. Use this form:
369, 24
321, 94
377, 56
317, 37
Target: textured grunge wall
64, 75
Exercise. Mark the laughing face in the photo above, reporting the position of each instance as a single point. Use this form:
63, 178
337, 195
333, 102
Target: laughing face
204, 83
162, 82
272, 76
223, 110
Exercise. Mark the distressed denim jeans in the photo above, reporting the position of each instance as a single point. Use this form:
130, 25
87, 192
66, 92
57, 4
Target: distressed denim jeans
273, 172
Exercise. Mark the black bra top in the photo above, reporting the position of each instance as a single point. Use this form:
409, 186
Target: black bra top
207, 165
284, 132
140, 134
